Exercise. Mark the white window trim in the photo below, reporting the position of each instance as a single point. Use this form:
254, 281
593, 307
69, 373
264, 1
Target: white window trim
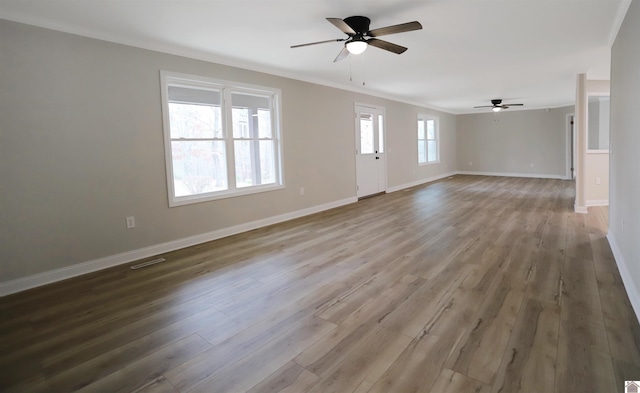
436, 122
167, 79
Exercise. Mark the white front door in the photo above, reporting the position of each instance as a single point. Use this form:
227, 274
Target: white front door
370, 151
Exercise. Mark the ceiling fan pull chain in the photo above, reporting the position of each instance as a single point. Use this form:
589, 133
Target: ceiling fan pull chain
350, 72
363, 66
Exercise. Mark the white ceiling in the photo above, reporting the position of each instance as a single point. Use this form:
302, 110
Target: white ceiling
469, 51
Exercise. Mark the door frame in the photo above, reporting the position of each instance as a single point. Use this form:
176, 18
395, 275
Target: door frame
571, 144
356, 136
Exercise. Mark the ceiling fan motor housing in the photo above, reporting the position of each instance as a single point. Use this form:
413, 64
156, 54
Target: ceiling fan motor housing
360, 24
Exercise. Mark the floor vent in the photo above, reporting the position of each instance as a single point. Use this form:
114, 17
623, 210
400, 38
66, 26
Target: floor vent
148, 263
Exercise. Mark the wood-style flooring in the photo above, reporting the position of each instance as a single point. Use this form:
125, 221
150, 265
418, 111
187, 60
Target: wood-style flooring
469, 284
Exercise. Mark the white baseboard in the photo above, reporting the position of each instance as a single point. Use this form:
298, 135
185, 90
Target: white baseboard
419, 182
597, 202
36, 280
532, 175
627, 280
580, 209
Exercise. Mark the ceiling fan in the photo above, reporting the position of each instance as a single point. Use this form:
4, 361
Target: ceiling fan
357, 30
497, 105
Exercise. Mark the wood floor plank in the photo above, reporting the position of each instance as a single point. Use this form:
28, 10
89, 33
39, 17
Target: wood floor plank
324, 355
238, 346
582, 331
478, 355
530, 360
140, 373
290, 378
365, 363
418, 366
158, 385
80, 368
469, 283
246, 373
451, 382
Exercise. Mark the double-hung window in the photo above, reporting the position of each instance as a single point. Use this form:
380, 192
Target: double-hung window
428, 149
222, 139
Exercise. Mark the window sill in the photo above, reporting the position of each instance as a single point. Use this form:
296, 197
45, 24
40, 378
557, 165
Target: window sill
188, 200
428, 163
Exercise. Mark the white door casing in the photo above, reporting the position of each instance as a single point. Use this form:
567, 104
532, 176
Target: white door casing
370, 151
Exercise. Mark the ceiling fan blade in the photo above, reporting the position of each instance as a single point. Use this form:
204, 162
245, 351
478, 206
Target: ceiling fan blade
343, 54
484, 106
401, 28
386, 45
342, 25
319, 42
514, 104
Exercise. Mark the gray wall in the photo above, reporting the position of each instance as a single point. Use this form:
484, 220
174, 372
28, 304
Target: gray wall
81, 148
625, 157
509, 142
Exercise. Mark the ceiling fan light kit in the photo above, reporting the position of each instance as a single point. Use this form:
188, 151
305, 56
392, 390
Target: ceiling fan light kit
497, 105
357, 30
356, 46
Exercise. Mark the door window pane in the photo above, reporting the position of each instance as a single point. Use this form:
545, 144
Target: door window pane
366, 134
380, 133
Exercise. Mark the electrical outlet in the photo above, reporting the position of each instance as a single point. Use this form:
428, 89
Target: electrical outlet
301, 190
131, 222
598, 180
470, 163
531, 165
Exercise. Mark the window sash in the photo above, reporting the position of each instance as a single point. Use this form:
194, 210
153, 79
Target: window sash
265, 161
428, 145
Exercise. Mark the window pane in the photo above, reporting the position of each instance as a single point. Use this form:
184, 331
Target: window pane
380, 134
422, 152
255, 163
194, 121
366, 134
431, 129
241, 124
267, 162
264, 123
420, 129
433, 151
251, 115
244, 164
198, 167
